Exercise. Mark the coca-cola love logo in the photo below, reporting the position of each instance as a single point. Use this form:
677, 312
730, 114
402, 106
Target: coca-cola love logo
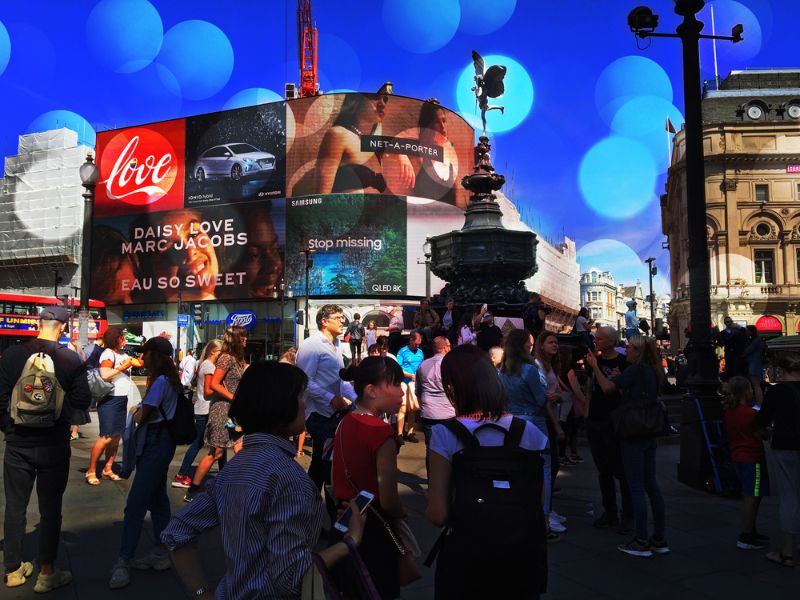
141, 168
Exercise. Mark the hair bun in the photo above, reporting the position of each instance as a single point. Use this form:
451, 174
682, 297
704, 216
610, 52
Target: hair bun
348, 373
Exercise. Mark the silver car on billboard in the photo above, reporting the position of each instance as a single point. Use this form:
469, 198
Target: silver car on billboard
235, 161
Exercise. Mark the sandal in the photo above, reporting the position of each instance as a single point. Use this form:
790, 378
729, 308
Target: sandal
780, 558
91, 479
110, 475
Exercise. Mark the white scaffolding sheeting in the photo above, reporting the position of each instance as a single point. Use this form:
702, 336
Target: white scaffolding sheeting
41, 206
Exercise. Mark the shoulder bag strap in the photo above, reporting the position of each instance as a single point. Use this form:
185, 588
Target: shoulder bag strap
514, 435
461, 432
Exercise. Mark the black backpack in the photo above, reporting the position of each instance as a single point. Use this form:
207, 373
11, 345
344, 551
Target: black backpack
496, 521
181, 426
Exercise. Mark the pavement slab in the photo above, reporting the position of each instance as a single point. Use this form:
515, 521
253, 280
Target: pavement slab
701, 528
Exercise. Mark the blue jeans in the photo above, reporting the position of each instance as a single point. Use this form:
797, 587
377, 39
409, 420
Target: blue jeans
541, 425
200, 422
321, 429
639, 460
148, 491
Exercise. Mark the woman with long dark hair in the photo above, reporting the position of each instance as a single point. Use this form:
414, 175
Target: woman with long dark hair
112, 410
155, 450
221, 433
467, 568
365, 458
643, 378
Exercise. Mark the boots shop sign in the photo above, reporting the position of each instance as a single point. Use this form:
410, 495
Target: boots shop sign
242, 318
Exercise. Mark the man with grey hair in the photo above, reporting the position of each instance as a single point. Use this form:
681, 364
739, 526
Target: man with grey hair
603, 443
320, 358
37, 450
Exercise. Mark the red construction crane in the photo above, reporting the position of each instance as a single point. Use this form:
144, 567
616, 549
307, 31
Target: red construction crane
307, 38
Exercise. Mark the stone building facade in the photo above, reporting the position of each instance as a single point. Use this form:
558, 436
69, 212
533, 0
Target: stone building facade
599, 295
751, 144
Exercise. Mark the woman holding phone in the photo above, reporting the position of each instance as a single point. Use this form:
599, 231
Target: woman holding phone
365, 458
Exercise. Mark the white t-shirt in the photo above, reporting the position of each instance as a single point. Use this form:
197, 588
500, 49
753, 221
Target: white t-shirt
201, 403
188, 366
122, 382
446, 444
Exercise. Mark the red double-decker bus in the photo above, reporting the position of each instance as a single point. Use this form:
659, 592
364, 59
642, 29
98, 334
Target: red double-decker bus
19, 317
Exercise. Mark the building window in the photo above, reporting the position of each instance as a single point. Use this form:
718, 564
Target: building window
763, 229
762, 192
798, 191
797, 264
765, 273
594, 276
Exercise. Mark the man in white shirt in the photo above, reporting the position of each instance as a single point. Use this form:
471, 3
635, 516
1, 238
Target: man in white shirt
188, 367
320, 358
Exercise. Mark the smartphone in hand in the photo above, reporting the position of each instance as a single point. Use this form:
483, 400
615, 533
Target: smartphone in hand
360, 502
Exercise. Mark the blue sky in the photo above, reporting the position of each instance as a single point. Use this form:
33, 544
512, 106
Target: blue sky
582, 140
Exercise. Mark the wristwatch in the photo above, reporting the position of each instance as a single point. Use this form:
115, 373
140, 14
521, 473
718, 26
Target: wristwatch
199, 592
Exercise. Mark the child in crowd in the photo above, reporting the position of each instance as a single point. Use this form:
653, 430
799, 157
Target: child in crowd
747, 453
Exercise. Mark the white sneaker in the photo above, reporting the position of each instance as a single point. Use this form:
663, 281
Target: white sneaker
158, 561
47, 583
558, 517
556, 526
120, 576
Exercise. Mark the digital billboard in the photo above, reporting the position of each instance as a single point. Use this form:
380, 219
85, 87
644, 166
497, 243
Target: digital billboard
377, 144
359, 243
236, 155
212, 206
203, 253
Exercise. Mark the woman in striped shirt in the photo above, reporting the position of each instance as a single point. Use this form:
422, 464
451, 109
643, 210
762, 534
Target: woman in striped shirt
267, 508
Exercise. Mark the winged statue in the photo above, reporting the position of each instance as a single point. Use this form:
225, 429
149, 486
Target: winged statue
488, 84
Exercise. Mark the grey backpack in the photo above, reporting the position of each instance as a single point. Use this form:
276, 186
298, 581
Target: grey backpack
37, 398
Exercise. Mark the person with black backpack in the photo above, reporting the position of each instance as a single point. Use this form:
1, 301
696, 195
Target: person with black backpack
485, 489
40, 384
155, 450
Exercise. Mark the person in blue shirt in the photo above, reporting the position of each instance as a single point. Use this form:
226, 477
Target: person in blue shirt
410, 358
631, 321
155, 450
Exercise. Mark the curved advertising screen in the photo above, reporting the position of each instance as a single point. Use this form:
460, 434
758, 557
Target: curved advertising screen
219, 206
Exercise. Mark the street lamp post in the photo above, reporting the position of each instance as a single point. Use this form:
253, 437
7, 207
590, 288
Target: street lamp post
426, 251
89, 175
309, 263
651, 270
703, 377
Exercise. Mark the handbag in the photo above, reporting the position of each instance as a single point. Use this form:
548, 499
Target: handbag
98, 387
409, 571
642, 417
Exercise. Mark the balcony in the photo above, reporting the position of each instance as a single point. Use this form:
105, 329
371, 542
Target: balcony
771, 290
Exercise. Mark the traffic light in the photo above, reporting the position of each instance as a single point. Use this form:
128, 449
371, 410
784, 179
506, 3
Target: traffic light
299, 317
197, 314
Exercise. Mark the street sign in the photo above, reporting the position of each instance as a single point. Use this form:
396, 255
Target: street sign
183, 320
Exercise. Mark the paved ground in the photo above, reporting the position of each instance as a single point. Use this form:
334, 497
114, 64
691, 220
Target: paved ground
701, 528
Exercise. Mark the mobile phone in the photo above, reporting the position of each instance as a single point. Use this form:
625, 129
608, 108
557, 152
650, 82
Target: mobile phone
362, 501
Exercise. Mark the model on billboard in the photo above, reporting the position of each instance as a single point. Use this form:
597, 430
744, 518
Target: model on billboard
260, 258
110, 267
436, 179
342, 166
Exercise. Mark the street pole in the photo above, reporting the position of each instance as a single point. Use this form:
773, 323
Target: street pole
89, 174
650, 273
309, 263
703, 378
178, 322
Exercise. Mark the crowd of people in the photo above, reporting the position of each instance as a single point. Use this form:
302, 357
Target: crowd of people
499, 415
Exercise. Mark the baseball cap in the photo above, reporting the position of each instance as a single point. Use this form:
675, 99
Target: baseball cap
158, 344
55, 313
487, 316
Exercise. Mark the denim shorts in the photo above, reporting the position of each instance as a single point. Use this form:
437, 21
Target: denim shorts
111, 412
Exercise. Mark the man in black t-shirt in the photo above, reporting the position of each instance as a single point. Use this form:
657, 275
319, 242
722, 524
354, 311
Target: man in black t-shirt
38, 454
603, 444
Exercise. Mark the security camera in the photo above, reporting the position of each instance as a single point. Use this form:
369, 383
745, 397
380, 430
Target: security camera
641, 20
736, 33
